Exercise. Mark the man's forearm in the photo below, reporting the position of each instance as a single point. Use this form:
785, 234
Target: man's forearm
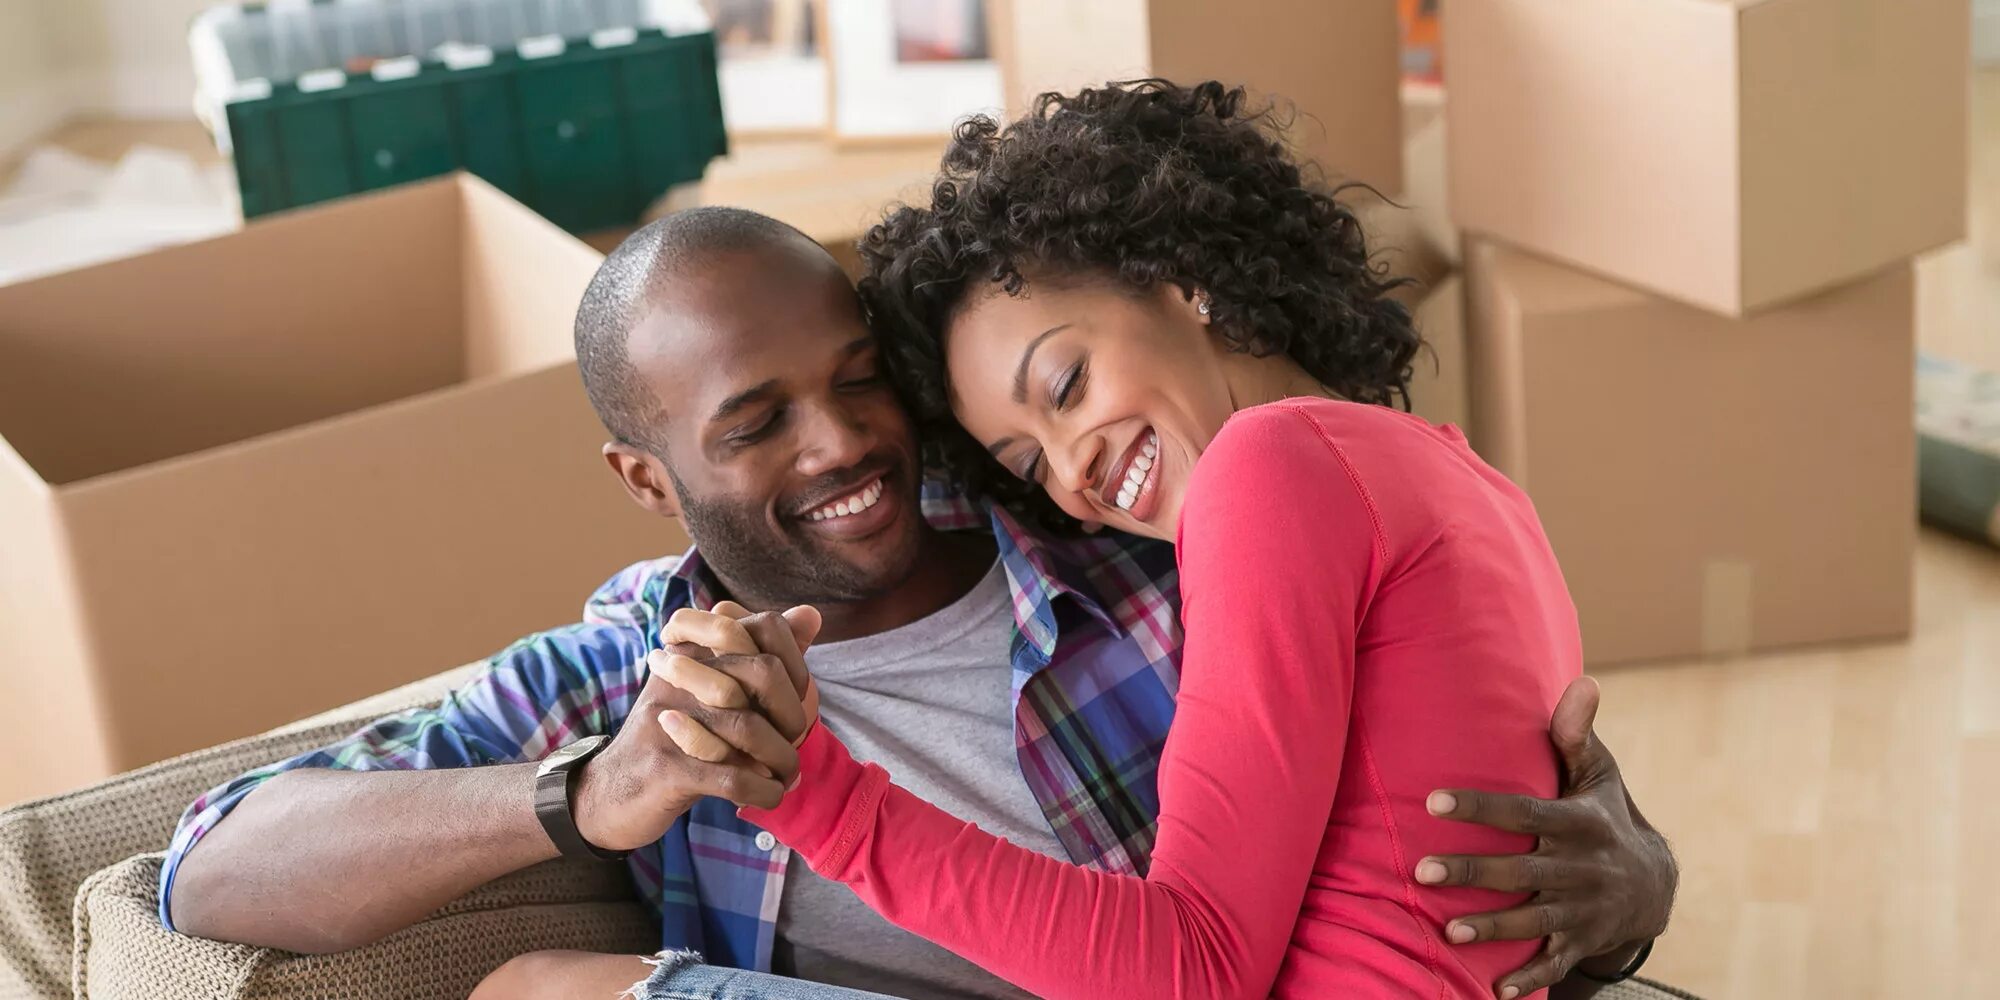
322, 860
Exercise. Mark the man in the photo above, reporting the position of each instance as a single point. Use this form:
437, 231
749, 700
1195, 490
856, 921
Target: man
1025, 683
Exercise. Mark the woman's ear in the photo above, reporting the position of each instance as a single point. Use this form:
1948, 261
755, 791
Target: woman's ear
1193, 301
644, 478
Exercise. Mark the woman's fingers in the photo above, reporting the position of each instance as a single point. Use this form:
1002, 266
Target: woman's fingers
732, 736
717, 769
708, 685
693, 738
805, 622
719, 633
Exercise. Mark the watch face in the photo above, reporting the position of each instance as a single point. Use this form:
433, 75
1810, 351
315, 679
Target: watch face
564, 756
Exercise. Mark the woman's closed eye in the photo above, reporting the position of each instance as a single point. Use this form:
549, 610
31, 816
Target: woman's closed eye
1066, 390
1028, 466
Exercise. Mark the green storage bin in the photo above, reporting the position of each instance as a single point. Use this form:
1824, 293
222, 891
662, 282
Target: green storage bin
588, 126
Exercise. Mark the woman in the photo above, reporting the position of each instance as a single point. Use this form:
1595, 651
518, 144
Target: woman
1129, 310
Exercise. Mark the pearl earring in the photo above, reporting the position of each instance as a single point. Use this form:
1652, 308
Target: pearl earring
1201, 306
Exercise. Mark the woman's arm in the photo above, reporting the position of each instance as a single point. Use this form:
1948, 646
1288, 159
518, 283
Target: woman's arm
1280, 553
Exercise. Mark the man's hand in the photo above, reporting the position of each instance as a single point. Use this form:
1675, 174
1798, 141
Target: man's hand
736, 712
1603, 879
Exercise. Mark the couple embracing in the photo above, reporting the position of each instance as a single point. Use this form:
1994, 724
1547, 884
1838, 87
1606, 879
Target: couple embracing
1107, 441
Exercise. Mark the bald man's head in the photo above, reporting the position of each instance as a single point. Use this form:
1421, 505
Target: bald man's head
661, 266
729, 356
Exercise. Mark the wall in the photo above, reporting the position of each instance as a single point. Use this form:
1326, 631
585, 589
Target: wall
1986, 32
138, 50
59, 58
32, 96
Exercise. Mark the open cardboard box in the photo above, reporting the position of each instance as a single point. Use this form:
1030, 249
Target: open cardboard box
1732, 154
256, 477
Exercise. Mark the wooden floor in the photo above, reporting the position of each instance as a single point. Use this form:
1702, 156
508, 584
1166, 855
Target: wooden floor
1836, 811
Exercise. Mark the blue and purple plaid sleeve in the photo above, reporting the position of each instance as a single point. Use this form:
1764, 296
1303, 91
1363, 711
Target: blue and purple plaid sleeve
540, 693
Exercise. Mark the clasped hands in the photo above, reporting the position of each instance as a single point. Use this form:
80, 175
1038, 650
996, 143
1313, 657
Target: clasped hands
757, 701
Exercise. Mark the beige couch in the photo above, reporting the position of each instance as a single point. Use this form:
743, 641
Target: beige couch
79, 900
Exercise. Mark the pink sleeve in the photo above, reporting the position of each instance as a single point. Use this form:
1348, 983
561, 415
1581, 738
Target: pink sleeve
1280, 552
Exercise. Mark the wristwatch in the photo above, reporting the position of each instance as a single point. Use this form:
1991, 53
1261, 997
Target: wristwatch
555, 791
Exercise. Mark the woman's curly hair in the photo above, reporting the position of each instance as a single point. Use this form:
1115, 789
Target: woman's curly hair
1138, 183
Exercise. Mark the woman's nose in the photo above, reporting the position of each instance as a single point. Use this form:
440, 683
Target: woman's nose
1080, 466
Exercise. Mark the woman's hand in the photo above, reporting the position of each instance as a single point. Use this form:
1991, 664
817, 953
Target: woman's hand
1602, 878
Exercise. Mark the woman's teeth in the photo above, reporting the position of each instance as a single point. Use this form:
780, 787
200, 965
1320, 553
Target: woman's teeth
1142, 466
862, 499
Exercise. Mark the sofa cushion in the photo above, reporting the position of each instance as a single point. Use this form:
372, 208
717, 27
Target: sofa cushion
122, 951
48, 847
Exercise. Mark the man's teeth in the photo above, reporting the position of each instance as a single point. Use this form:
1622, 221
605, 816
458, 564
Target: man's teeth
867, 497
1135, 477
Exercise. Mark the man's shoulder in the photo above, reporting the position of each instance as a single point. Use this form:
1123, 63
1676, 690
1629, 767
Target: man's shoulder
634, 596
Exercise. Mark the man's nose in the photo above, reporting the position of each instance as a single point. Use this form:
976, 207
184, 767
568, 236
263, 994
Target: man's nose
831, 439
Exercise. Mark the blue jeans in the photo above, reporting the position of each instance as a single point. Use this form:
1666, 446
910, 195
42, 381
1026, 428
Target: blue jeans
682, 976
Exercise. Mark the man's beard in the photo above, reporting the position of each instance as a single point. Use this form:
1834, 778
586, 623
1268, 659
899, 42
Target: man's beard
779, 569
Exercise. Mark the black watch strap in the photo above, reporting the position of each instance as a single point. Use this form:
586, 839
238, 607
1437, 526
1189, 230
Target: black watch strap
1631, 968
555, 791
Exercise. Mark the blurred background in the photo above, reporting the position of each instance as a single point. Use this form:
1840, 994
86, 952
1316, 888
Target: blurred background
1717, 281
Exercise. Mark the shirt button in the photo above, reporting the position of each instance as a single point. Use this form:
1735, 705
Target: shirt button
765, 841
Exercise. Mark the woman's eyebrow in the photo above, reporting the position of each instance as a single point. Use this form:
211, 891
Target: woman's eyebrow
1027, 355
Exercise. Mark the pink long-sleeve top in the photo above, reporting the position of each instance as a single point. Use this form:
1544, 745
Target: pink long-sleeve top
1371, 613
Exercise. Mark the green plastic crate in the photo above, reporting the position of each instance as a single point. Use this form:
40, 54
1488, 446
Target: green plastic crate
589, 131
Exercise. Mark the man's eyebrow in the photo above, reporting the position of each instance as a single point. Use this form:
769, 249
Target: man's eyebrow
755, 393
1027, 355
858, 345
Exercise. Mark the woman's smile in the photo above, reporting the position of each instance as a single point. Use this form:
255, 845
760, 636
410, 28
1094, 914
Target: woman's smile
1133, 483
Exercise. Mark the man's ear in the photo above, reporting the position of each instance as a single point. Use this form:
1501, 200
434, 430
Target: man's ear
644, 478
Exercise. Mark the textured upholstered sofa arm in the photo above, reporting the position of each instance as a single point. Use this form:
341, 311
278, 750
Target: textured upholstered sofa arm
122, 951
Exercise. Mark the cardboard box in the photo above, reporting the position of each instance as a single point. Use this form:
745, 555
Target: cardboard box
1710, 485
1440, 389
1734, 154
1335, 60
256, 477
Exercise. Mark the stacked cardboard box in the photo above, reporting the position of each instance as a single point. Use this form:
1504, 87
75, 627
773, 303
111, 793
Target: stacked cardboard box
1333, 61
252, 478
1689, 306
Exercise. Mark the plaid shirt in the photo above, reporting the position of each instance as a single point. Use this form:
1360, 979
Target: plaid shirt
1095, 657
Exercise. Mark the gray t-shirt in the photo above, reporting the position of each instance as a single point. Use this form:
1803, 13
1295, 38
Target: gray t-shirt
930, 703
